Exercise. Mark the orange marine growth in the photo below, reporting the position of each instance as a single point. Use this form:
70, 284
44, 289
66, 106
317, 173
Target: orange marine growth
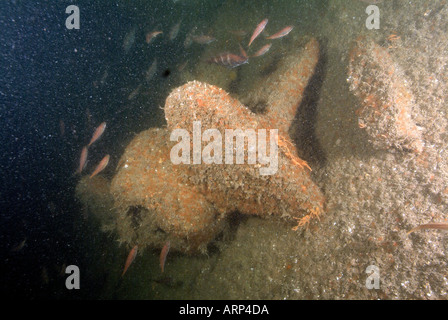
304, 221
283, 144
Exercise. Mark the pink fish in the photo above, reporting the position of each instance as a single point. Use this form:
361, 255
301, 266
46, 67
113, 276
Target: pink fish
243, 52
281, 33
151, 35
100, 166
130, 259
229, 60
82, 159
263, 50
259, 29
163, 254
440, 226
97, 134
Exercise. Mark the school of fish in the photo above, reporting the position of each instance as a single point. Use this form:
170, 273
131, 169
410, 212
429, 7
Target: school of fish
85, 150
133, 253
226, 59
231, 60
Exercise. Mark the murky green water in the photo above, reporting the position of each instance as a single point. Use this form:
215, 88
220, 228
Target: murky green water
371, 124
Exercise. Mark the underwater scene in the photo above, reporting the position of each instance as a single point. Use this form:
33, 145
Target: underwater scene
224, 149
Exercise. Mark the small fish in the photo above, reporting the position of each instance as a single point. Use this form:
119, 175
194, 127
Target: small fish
281, 33
203, 39
239, 33
100, 166
163, 254
82, 159
44, 276
61, 127
129, 40
135, 92
263, 50
97, 134
440, 226
151, 71
62, 270
182, 66
19, 246
229, 60
131, 256
151, 36
259, 29
188, 41
174, 31
189, 38
52, 208
104, 76
243, 52
89, 117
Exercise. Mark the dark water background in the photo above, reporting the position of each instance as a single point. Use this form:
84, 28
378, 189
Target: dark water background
49, 75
